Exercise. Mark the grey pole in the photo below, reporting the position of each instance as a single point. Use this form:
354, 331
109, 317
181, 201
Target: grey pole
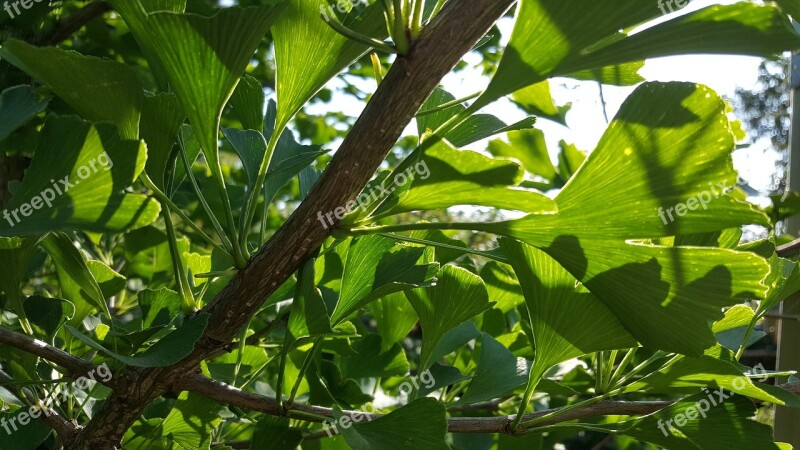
787, 420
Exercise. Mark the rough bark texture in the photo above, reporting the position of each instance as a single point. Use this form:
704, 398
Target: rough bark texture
407, 85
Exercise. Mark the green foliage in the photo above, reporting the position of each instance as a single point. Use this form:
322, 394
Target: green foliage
614, 275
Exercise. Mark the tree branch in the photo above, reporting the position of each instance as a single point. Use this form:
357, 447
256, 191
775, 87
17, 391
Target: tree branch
66, 28
408, 84
788, 249
225, 394
75, 366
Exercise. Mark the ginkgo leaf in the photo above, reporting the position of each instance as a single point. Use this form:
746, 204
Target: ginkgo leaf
162, 117
377, 266
537, 100
720, 425
76, 279
426, 417
446, 177
309, 315
555, 38
457, 297
248, 103
203, 58
308, 52
686, 375
566, 319
77, 180
167, 351
499, 372
98, 89
657, 171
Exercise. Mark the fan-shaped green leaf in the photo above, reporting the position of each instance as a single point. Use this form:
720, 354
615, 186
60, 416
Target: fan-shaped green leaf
566, 319
499, 372
446, 177
98, 89
308, 52
167, 351
203, 58
426, 417
77, 180
553, 38
377, 266
457, 297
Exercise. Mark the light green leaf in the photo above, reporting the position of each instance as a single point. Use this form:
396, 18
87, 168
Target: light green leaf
377, 266
618, 75
72, 268
308, 52
499, 372
566, 319
162, 117
537, 100
529, 148
687, 375
192, 420
735, 317
203, 58
159, 307
651, 160
457, 297
309, 315
248, 103
394, 318
783, 281
426, 417
502, 285
482, 126
98, 89
553, 38
167, 351
18, 105
446, 177
77, 180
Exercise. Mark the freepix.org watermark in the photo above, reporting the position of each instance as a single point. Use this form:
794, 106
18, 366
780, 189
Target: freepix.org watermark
671, 5
342, 6
26, 4
60, 187
368, 412
101, 372
700, 200
702, 406
375, 193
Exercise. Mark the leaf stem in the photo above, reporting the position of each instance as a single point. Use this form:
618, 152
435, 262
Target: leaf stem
246, 219
177, 210
201, 198
489, 255
184, 289
301, 373
362, 38
449, 104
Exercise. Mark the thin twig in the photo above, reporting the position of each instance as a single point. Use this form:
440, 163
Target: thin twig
73, 23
